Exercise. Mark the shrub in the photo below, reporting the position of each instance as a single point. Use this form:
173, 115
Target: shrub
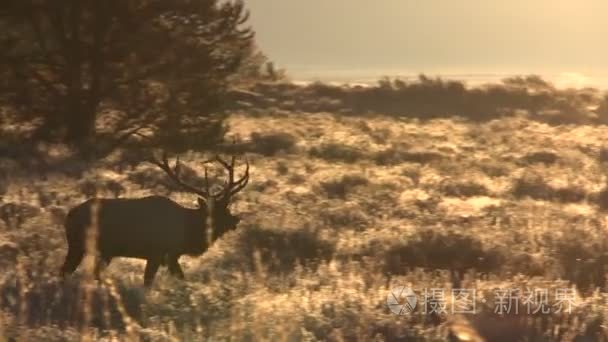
297, 179
337, 152
115, 188
281, 250
570, 194
463, 189
584, 261
603, 199
282, 168
536, 188
435, 250
319, 89
345, 217
15, 214
51, 302
412, 172
147, 178
544, 157
603, 155
494, 168
89, 188
340, 188
269, 144
396, 155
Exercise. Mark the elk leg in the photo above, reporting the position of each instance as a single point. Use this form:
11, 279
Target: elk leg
152, 266
174, 267
106, 260
72, 260
101, 264
97, 269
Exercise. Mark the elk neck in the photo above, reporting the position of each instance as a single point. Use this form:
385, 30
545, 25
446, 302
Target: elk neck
196, 232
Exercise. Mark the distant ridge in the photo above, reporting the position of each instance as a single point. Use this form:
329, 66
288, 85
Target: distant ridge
371, 77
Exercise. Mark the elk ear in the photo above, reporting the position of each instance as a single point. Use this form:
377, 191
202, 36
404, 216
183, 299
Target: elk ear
201, 203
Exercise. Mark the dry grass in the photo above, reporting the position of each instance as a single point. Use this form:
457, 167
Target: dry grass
339, 211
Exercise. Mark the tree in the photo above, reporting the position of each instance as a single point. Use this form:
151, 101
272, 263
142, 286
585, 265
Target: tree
161, 63
258, 67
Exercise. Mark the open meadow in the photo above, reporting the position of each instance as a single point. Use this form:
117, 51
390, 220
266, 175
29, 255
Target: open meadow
346, 201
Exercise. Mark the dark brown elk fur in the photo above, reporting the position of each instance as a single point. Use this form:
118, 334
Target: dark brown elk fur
152, 228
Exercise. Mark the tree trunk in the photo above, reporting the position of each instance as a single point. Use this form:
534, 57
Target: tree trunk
51, 128
72, 123
80, 123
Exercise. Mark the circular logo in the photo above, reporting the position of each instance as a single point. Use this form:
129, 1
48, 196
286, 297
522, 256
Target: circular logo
401, 300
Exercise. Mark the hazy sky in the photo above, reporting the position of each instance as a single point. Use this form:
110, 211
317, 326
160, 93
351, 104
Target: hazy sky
435, 36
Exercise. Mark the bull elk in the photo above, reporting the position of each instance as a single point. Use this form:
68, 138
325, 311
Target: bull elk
153, 228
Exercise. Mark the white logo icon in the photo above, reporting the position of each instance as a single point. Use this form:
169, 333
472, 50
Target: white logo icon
401, 300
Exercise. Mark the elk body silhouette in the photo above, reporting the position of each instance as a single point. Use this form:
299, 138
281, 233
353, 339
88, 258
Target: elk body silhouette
153, 228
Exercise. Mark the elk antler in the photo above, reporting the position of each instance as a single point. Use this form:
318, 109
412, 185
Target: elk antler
230, 188
173, 173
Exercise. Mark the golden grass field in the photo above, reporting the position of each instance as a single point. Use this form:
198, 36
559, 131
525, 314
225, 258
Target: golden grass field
340, 209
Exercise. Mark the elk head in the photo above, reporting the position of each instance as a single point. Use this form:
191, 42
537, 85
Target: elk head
213, 206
